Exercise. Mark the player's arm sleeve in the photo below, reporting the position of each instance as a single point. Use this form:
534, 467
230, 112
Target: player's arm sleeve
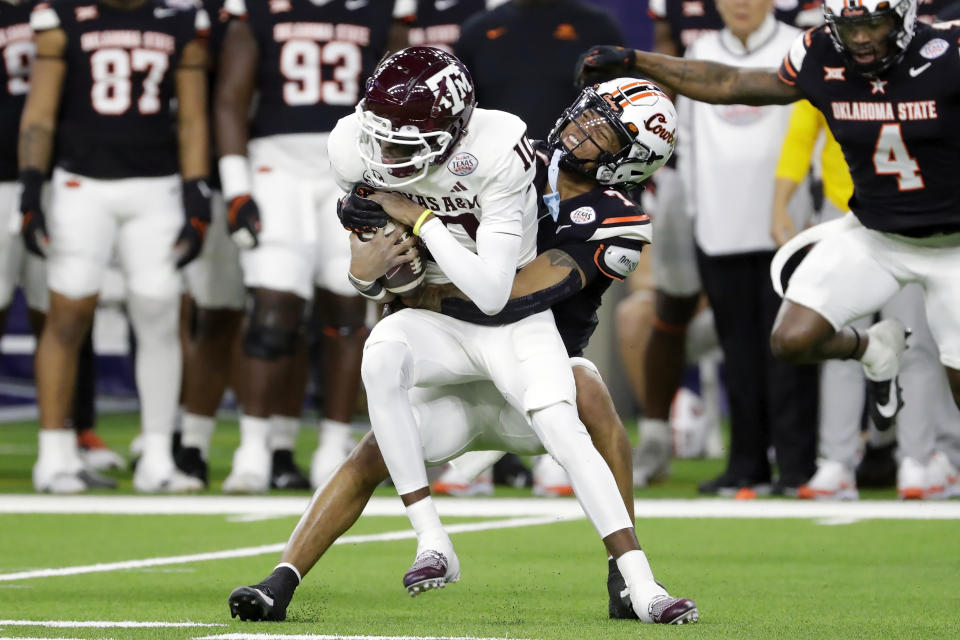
798, 144
506, 197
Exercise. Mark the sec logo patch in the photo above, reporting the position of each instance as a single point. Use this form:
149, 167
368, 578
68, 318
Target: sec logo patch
934, 49
463, 164
583, 215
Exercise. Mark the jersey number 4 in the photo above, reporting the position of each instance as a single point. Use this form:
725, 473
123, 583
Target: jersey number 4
892, 157
112, 71
300, 64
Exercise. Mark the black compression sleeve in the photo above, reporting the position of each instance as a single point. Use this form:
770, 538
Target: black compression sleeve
515, 309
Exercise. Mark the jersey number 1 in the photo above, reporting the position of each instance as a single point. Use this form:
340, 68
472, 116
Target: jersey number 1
892, 157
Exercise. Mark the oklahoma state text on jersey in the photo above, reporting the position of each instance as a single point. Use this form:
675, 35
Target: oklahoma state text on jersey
900, 132
115, 113
314, 59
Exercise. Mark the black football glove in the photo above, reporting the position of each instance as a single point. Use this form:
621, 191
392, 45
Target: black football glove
603, 62
33, 226
358, 214
243, 221
196, 209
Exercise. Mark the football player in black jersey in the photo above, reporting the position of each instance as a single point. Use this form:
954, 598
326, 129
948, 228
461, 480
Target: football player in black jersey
590, 234
886, 85
307, 62
101, 92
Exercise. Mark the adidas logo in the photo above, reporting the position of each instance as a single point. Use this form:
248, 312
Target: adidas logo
457, 188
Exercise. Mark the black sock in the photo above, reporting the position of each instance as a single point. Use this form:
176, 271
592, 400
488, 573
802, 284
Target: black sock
282, 582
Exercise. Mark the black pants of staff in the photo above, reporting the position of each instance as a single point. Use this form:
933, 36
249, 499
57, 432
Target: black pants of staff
771, 402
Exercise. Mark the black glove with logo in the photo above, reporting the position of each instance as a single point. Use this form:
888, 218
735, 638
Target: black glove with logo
358, 214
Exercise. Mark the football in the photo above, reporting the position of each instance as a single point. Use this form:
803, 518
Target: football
403, 278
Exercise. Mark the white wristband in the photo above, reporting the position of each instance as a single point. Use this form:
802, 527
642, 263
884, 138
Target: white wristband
234, 176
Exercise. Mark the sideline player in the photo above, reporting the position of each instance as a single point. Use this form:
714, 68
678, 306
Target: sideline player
101, 89
306, 61
589, 235
886, 85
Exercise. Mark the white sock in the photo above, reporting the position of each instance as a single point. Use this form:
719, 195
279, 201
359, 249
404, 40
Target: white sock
197, 432
159, 362
654, 429
426, 522
54, 447
283, 432
254, 431
292, 568
334, 432
636, 573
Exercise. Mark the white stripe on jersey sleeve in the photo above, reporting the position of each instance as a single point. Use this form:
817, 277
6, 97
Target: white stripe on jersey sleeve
404, 9
641, 232
658, 8
798, 51
236, 8
44, 18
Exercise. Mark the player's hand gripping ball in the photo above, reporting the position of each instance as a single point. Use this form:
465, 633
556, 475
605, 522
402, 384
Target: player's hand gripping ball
405, 277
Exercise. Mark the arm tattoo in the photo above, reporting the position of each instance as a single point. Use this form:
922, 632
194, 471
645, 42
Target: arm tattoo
35, 147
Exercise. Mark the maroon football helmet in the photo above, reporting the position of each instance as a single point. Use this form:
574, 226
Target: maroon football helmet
417, 106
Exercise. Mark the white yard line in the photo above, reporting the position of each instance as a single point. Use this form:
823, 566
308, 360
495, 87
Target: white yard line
105, 624
266, 549
481, 507
278, 636
36, 638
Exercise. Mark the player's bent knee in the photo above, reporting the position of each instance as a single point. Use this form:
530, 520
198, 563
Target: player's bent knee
385, 367
270, 343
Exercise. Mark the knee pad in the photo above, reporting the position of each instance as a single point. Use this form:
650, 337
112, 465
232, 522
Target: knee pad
273, 326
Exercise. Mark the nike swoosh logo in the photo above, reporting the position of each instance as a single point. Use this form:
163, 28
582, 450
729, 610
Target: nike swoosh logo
443, 5
353, 5
624, 593
265, 597
562, 227
889, 408
915, 71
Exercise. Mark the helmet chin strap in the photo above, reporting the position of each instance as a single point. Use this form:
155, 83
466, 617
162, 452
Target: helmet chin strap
552, 199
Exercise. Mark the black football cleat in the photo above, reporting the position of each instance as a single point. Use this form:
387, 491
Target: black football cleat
191, 463
620, 607
256, 603
884, 401
284, 473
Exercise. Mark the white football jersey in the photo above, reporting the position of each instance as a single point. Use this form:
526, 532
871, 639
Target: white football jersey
492, 163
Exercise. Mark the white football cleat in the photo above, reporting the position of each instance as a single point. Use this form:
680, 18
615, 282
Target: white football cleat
59, 482
453, 483
942, 477
832, 481
550, 480
912, 481
327, 458
250, 472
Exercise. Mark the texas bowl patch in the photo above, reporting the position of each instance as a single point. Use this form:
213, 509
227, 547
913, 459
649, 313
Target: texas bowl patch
583, 215
463, 164
934, 49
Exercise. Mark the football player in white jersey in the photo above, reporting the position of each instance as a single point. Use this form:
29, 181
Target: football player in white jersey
461, 179
570, 274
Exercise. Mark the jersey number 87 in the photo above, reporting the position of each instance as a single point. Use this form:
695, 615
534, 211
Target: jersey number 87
112, 71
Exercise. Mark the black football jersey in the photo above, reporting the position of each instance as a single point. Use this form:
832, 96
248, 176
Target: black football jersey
688, 19
438, 22
314, 59
16, 53
604, 232
116, 116
900, 132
